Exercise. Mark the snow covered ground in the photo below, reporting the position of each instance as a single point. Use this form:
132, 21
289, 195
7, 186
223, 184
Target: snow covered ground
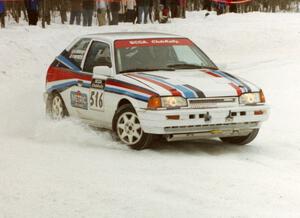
64, 169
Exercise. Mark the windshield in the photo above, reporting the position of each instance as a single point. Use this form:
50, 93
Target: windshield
156, 54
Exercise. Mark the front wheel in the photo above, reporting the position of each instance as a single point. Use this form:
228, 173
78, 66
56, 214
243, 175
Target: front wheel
241, 140
128, 128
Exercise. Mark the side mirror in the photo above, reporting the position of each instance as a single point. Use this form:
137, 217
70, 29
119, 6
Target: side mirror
102, 72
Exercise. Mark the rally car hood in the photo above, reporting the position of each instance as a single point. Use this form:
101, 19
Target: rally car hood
190, 83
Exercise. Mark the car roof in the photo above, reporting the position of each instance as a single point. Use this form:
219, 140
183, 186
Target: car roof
112, 36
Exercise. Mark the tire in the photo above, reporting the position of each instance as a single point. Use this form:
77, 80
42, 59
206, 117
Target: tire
241, 140
128, 129
56, 108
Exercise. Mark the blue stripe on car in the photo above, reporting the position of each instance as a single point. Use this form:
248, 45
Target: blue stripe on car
68, 63
187, 92
66, 85
233, 79
123, 92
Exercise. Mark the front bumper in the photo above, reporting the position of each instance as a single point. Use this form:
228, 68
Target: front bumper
211, 122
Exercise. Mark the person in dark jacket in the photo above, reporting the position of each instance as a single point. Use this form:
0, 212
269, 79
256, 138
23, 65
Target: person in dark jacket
75, 12
2, 14
32, 7
114, 7
87, 11
143, 8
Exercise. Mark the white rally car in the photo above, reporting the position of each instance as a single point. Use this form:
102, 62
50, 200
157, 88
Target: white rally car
144, 85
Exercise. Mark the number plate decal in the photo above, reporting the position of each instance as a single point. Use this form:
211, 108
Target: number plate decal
96, 99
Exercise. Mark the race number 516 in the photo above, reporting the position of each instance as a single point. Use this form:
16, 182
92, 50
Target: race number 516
96, 100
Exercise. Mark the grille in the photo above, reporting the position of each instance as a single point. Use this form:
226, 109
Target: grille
208, 127
213, 102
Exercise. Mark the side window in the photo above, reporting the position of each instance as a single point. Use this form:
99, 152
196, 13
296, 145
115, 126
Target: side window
98, 55
77, 52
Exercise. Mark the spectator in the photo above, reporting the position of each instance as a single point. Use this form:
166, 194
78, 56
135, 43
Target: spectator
182, 8
75, 12
206, 5
122, 11
143, 8
163, 14
130, 14
197, 5
156, 8
114, 7
151, 4
2, 14
101, 7
32, 7
87, 11
174, 7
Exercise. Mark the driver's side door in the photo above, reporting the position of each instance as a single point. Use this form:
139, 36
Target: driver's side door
97, 55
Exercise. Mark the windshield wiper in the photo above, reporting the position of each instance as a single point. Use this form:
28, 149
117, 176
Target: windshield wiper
191, 66
146, 69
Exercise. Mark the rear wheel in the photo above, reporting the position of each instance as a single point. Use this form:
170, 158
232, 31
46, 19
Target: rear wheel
56, 107
128, 128
241, 140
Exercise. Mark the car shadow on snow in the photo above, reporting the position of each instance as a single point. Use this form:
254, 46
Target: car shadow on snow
209, 146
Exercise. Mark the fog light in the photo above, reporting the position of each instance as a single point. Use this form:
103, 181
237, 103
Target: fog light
260, 112
173, 117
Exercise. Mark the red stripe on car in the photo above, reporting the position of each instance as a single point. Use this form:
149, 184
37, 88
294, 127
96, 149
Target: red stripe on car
57, 73
211, 73
127, 86
237, 88
173, 91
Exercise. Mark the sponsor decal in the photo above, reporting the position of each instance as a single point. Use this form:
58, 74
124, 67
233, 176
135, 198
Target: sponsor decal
79, 100
228, 2
98, 84
77, 54
151, 42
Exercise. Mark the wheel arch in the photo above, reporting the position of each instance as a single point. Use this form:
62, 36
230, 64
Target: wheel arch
122, 103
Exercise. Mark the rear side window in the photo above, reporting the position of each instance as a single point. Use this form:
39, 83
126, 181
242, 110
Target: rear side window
77, 52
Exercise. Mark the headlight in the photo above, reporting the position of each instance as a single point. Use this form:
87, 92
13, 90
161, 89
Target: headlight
166, 102
252, 98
